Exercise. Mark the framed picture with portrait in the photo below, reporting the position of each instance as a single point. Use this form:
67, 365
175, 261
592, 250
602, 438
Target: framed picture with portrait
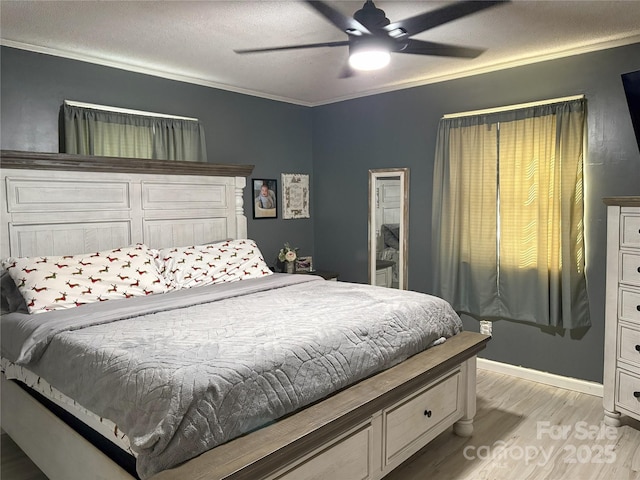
265, 196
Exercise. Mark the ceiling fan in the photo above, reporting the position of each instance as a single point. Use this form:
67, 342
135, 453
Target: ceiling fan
372, 37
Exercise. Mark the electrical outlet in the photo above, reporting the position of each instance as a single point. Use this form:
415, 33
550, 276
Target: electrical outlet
486, 327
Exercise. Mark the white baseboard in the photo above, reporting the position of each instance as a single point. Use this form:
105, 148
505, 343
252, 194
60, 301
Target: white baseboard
582, 386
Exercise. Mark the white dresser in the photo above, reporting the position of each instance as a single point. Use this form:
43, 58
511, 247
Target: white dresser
622, 311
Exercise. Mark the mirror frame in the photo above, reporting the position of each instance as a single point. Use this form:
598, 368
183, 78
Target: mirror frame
374, 174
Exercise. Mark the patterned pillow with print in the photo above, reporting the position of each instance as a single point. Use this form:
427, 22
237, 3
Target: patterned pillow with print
57, 282
200, 265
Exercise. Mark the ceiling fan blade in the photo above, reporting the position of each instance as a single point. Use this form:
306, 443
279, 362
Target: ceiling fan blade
420, 23
342, 43
420, 47
345, 23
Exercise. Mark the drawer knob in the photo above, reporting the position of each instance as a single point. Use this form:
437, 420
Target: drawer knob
638, 307
637, 348
427, 413
636, 394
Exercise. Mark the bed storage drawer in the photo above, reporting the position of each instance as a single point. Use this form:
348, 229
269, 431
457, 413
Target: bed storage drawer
417, 419
347, 458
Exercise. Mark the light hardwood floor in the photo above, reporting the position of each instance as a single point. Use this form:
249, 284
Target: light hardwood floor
523, 431
15, 465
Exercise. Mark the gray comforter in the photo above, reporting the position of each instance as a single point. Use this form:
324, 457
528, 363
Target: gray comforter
179, 379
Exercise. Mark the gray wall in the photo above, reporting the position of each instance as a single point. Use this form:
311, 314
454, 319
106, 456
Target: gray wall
273, 136
339, 143
398, 129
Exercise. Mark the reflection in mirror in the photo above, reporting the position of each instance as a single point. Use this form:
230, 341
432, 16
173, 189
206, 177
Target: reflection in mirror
388, 227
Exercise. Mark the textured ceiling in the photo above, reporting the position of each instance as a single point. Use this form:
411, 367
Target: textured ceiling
194, 41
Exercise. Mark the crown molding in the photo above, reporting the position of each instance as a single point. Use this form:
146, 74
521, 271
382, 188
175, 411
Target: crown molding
535, 58
82, 57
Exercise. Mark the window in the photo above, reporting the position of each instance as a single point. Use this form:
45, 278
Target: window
508, 214
111, 132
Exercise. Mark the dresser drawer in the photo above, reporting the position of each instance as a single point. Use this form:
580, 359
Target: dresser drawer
629, 305
630, 268
628, 394
416, 417
629, 344
349, 458
630, 230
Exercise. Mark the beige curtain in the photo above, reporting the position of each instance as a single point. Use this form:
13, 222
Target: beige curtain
508, 215
113, 134
464, 212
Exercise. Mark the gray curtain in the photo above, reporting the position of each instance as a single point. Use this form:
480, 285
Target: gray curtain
112, 134
507, 219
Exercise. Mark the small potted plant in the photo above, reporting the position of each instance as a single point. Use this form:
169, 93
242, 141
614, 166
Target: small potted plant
287, 256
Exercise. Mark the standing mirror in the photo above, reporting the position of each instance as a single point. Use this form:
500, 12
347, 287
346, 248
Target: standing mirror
388, 227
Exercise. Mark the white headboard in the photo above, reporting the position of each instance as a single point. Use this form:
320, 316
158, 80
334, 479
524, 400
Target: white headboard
57, 204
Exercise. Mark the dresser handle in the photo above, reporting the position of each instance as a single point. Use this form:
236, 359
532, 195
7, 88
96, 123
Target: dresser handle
638, 307
638, 348
427, 413
636, 394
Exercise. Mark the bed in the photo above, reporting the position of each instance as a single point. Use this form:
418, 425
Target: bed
362, 425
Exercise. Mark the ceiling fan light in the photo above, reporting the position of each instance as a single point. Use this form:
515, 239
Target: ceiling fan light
369, 59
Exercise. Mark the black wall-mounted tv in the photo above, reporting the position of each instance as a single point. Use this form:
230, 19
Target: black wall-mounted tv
631, 83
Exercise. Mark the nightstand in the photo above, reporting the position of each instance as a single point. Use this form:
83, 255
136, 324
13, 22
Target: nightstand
326, 274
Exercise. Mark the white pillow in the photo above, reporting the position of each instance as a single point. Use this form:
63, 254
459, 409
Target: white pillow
53, 283
200, 265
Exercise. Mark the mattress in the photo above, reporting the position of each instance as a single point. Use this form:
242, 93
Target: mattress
185, 371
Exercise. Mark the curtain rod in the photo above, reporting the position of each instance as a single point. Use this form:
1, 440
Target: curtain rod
125, 110
512, 107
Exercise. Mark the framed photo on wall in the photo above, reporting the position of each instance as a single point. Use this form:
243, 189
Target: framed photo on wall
295, 195
265, 194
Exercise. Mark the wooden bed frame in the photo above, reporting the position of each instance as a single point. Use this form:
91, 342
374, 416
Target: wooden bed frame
56, 204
